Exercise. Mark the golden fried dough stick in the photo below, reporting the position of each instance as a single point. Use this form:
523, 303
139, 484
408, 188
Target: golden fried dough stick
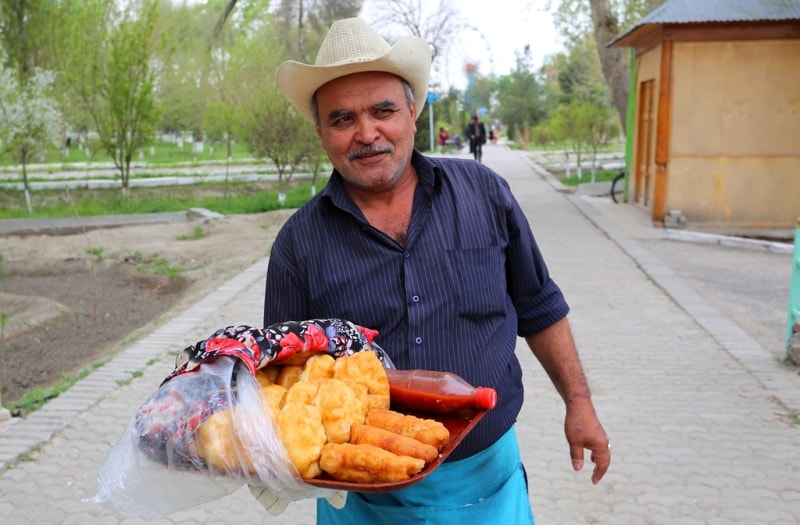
340, 408
427, 431
400, 445
303, 436
367, 464
365, 368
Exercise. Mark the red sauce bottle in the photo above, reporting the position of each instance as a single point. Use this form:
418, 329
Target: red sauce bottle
439, 392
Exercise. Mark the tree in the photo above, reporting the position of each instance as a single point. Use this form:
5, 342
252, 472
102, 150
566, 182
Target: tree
435, 24
181, 65
600, 128
519, 99
274, 130
265, 120
606, 28
604, 18
23, 32
578, 74
30, 121
570, 125
127, 116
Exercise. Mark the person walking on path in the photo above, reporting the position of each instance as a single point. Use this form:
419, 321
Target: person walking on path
437, 256
476, 133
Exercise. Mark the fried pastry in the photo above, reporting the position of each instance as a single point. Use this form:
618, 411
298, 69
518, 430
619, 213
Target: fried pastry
427, 431
303, 436
359, 389
301, 392
340, 409
365, 368
400, 445
318, 368
218, 445
289, 375
267, 375
367, 464
274, 394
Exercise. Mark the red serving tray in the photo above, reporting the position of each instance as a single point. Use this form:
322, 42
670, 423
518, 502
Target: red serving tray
459, 425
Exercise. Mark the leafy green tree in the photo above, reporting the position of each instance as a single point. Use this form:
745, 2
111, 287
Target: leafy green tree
579, 75
274, 130
30, 120
24, 26
519, 98
601, 127
605, 20
127, 115
181, 58
580, 125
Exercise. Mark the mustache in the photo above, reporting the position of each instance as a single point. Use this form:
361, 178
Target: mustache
369, 150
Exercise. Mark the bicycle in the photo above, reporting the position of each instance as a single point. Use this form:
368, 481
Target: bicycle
617, 178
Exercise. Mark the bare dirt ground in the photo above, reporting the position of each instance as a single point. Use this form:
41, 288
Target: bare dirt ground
70, 301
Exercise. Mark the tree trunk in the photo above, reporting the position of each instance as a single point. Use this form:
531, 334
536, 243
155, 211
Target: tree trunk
615, 70
24, 159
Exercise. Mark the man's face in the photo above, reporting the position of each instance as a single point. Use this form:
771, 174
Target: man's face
367, 129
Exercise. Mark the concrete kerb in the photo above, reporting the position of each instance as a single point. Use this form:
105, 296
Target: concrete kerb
735, 341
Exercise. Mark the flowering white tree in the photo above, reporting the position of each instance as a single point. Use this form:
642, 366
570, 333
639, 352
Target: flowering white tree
30, 120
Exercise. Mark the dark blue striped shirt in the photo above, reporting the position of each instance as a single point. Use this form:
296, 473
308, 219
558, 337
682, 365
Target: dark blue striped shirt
469, 280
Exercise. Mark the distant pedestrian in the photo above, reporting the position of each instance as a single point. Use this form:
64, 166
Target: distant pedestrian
476, 133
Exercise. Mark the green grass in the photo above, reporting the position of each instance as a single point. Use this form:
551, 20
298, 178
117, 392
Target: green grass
600, 176
234, 198
164, 153
37, 397
199, 232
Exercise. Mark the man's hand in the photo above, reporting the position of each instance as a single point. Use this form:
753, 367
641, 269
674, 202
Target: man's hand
584, 431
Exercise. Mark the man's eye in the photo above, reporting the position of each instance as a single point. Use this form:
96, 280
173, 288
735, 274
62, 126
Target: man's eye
341, 121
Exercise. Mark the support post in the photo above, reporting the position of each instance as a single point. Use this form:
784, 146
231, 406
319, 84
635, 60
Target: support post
794, 288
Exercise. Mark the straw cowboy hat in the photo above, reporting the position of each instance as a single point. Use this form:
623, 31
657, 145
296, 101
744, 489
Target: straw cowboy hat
351, 46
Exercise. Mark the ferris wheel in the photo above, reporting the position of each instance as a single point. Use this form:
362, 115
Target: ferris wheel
468, 53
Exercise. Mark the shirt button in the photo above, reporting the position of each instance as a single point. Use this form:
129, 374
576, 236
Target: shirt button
415, 298
408, 255
418, 340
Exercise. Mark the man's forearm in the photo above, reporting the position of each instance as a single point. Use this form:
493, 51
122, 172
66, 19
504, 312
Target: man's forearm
554, 347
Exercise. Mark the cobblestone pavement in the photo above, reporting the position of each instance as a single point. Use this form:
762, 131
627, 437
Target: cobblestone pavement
703, 418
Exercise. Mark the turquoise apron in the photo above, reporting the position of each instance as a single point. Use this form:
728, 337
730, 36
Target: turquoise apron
478, 489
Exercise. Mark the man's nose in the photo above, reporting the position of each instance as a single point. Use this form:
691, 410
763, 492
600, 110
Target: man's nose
366, 130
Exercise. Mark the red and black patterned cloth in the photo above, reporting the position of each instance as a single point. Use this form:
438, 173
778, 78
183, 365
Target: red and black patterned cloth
166, 422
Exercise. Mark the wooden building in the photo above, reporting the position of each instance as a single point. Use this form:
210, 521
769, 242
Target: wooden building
716, 126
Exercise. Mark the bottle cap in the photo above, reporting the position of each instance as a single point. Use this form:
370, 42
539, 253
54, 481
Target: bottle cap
485, 397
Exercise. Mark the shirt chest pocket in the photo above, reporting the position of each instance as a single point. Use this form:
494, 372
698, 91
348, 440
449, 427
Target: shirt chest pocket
477, 276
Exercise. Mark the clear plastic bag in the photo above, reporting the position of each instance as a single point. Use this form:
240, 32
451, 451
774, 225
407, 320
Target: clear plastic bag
152, 475
161, 464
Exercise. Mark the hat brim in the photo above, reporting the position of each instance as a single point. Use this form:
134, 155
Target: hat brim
409, 59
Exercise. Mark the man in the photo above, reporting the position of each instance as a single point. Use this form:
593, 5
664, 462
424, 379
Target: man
437, 256
476, 133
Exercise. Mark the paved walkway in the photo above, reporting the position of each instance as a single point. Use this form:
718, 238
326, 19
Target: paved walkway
701, 417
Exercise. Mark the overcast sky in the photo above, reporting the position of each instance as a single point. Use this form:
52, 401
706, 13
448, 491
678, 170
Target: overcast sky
494, 31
